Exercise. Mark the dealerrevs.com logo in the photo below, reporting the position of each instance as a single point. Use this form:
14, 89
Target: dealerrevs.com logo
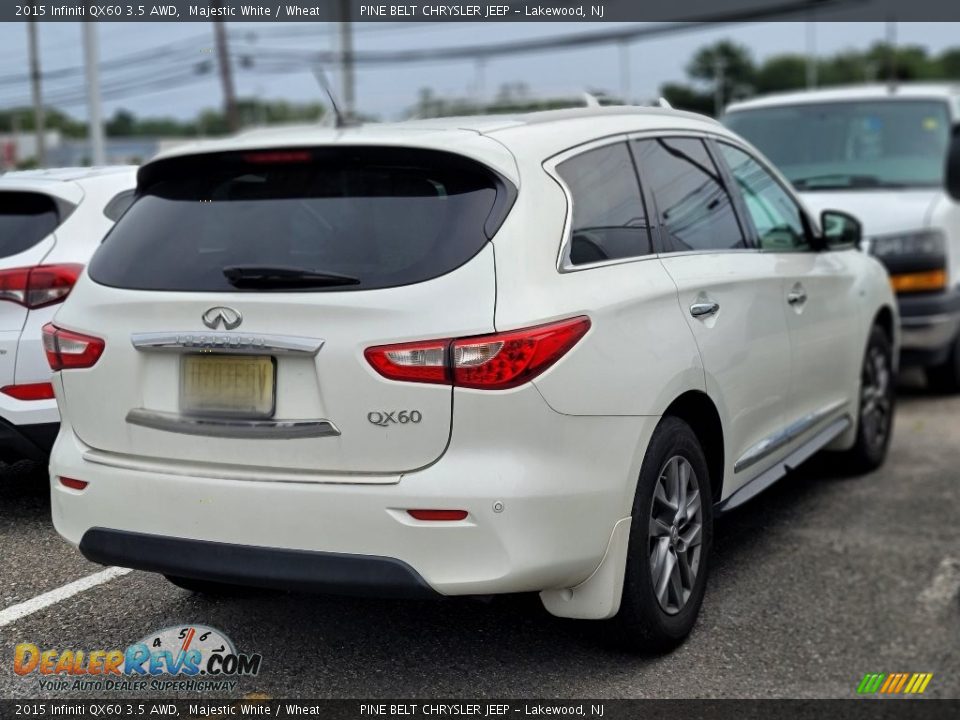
186, 657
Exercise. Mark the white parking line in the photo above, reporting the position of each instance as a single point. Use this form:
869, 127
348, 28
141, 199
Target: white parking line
28, 607
945, 586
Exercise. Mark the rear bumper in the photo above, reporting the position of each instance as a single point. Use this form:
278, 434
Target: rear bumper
930, 323
299, 570
543, 493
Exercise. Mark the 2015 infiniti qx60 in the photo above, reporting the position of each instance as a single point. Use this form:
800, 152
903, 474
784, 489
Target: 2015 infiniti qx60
462, 357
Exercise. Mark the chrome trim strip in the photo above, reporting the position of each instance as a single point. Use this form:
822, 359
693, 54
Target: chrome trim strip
767, 478
226, 342
231, 428
791, 432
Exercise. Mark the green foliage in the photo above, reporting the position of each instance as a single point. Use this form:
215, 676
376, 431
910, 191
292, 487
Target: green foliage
742, 77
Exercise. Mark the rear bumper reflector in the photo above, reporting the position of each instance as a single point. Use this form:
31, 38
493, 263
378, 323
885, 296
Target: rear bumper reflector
29, 391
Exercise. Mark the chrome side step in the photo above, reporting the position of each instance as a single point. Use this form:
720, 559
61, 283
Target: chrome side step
767, 478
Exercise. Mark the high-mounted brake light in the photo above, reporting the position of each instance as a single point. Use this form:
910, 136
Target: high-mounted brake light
39, 286
490, 362
69, 350
278, 157
29, 391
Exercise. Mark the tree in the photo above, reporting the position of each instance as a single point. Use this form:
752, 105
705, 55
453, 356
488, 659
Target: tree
729, 61
122, 124
784, 72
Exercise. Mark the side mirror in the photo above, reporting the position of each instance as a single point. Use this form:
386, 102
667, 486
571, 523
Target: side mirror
953, 165
840, 229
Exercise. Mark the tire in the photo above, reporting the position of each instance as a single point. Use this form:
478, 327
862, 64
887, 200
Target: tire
649, 621
205, 587
945, 377
877, 404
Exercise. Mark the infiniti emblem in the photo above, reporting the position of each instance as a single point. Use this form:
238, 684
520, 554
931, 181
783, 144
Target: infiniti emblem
217, 316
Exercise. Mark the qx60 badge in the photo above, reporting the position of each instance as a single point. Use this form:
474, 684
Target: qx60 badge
217, 316
383, 418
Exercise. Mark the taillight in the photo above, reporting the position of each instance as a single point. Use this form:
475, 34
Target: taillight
37, 287
69, 350
490, 362
29, 391
73, 483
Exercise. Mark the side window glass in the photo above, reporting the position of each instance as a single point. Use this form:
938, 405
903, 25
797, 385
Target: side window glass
775, 215
609, 220
118, 205
696, 212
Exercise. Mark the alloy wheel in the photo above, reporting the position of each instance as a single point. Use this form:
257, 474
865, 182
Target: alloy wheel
876, 402
675, 535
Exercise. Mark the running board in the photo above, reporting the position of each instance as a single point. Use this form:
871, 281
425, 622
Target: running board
767, 478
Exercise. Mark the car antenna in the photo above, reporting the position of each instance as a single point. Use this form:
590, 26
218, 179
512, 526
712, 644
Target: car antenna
339, 119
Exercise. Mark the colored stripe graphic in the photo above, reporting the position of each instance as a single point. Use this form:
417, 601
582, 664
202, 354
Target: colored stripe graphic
894, 683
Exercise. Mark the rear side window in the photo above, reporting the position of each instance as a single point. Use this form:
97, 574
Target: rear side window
118, 205
695, 210
609, 219
379, 217
26, 218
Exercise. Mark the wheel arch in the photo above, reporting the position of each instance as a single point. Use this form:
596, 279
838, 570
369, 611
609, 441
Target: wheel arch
696, 409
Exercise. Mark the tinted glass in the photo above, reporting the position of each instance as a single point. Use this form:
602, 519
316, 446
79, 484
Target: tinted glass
385, 216
609, 220
694, 207
118, 205
775, 215
828, 146
25, 219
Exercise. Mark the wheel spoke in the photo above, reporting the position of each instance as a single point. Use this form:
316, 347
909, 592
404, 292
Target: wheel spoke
693, 507
663, 583
693, 535
676, 585
660, 495
658, 528
658, 558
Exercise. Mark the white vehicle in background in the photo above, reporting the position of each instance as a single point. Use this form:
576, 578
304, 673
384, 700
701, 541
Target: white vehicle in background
51, 221
462, 357
880, 153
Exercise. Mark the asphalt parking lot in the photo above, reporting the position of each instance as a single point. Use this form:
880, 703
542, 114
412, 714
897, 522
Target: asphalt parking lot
817, 582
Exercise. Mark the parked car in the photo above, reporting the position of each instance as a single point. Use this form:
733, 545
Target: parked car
462, 357
879, 152
51, 221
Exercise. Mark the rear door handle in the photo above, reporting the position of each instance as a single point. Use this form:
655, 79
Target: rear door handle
704, 309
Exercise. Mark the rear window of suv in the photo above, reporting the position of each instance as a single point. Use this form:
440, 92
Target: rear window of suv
26, 218
380, 217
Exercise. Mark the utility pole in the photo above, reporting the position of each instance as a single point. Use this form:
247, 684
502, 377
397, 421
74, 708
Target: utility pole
625, 90
91, 57
226, 73
811, 54
892, 49
345, 38
40, 154
718, 80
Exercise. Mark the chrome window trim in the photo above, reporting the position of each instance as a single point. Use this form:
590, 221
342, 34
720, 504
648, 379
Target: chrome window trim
225, 342
231, 428
550, 167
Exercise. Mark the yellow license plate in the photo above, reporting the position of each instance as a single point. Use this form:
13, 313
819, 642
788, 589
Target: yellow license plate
242, 385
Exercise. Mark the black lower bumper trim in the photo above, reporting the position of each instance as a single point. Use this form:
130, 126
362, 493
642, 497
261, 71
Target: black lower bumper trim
32, 442
299, 570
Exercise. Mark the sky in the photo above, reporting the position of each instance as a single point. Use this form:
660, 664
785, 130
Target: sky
154, 87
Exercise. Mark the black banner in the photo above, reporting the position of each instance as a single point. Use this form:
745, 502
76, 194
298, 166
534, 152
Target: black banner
855, 709
482, 11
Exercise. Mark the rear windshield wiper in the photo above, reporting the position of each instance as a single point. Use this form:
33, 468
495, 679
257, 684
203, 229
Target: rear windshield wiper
839, 181
280, 276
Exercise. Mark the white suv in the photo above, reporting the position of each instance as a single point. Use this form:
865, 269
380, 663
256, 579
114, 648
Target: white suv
51, 221
462, 357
